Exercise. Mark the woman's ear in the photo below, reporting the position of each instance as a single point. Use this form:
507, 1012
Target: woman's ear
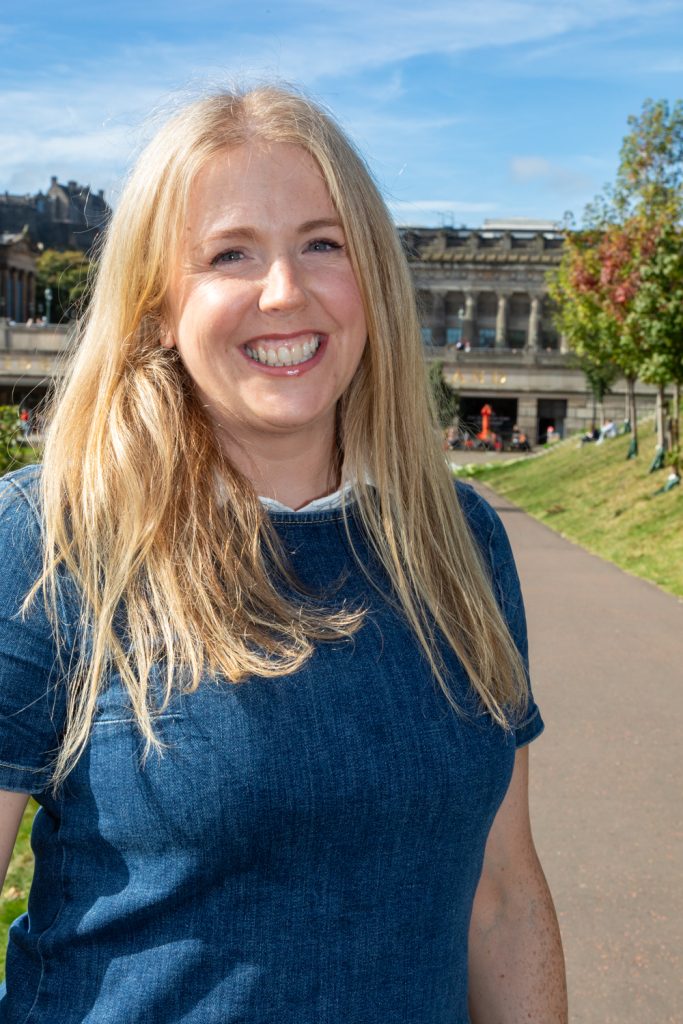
167, 340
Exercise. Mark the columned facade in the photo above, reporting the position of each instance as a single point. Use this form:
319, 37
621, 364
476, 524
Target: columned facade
17, 278
486, 314
485, 289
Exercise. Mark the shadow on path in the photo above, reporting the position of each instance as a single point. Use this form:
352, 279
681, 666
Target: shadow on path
607, 776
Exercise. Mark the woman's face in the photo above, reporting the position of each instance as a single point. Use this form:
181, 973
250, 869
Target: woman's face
264, 307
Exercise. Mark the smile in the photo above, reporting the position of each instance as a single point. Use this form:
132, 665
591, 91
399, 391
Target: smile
281, 352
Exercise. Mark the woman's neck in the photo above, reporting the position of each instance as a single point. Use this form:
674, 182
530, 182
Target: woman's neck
288, 470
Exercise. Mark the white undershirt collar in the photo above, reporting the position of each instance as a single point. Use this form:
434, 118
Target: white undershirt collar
317, 505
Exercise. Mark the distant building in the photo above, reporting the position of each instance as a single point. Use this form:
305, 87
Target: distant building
18, 255
69, 216
486, 314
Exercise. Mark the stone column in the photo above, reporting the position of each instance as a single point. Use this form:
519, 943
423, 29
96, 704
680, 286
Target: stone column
21, 289
438, 318
32, 295
4, 292
501, 321
534, 323
468, 319
12, 314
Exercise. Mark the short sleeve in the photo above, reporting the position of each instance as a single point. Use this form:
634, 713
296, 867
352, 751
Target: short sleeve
31, 717
492, 540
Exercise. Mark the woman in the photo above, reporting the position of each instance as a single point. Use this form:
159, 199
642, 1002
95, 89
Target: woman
270, 680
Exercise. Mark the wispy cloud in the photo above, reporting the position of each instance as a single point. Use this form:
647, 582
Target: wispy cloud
81, 118
559, 178
436, 211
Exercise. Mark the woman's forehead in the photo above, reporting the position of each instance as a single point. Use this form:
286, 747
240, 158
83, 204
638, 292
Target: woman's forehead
257, 180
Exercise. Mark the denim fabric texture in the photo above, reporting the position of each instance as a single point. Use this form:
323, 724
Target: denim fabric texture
306, 849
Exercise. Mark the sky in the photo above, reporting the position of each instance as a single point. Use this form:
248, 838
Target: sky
465, 110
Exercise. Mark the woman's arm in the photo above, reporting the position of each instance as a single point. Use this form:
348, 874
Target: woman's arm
516, 964
12, 806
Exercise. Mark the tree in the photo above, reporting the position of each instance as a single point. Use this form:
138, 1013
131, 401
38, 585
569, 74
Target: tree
658, 312
603, 268
446, 402
650, 175
593, 290
66, 274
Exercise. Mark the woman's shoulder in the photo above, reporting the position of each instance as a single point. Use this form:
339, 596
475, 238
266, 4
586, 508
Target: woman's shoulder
20, 526
481, 518
20, 494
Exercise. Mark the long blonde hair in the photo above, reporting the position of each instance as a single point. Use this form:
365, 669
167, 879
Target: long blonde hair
130, 466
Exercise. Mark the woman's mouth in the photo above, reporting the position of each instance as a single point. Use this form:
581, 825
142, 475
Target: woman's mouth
280, 352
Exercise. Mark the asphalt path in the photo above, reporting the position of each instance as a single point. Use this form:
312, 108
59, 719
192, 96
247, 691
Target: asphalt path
607, 774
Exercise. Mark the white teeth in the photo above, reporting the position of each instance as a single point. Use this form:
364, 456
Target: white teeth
285, 355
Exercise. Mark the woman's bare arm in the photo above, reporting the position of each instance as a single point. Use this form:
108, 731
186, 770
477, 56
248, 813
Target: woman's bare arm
12, 807
516, 962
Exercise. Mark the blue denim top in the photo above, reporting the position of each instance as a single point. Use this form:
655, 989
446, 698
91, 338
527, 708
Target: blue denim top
306, 849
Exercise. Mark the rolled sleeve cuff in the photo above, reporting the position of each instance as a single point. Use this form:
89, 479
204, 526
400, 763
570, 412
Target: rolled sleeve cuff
532, 727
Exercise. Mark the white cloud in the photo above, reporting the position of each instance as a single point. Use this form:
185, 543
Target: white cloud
88, 112
530, 168
557, 177
441, 206
436, 211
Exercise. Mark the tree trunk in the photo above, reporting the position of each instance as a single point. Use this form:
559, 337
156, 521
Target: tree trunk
633, 412
675, 427
660, 418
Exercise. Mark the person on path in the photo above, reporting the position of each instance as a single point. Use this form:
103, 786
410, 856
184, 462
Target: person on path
262, 667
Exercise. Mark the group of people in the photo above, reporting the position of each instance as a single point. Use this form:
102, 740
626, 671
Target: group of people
262, 667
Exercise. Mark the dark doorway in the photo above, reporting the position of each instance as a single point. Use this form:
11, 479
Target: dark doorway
552, 412
503, 418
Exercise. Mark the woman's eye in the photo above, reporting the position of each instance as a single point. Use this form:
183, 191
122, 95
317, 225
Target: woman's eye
229, 256
323, 245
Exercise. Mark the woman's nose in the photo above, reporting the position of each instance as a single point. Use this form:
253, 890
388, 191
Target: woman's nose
282, 288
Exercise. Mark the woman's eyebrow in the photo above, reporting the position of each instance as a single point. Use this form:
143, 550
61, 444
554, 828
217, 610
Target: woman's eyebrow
228, 234
249, 234
316, 225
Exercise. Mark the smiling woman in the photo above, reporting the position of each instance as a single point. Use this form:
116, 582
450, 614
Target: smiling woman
265, 311
263, 669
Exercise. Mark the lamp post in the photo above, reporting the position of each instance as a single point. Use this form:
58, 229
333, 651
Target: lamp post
48, 304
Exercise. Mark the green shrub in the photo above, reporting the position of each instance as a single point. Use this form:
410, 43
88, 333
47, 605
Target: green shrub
13, 452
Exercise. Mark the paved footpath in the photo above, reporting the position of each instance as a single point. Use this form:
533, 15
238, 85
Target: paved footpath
607, 774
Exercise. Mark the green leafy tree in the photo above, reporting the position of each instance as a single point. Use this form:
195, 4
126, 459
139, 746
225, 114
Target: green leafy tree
67, 275
446, 401
650, 175
603, 268
593, 290
579, 317
658, 312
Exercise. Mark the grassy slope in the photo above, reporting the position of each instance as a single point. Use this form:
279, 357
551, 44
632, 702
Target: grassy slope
592, 495
18, 882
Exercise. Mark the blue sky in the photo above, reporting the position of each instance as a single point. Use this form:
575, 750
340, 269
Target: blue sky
465, 109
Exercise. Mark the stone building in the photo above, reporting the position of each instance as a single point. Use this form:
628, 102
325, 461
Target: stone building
67, 216
486, 313
17, 277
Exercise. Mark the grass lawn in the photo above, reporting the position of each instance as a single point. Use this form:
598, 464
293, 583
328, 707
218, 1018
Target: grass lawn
594, 496
18, 882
